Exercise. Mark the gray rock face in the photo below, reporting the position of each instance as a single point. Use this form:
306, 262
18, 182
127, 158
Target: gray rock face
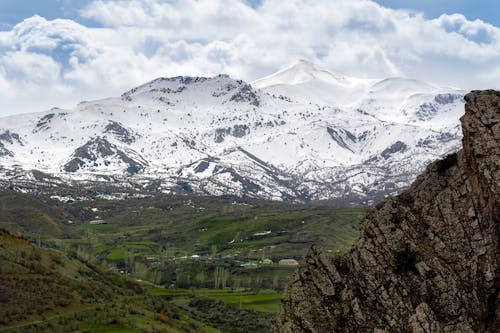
4, 151
246, 94
120, 132
238, 131
100, 150
430, 109
396, 147
10, 137
340, 136
426, 260
43, 123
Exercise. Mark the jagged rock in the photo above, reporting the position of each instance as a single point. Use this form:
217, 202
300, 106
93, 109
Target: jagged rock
202, 166
10, 137
4, 151
120, 132
246, 94
426, 260
43, 123
99, 150
238, 131
396, 147
220, 134
447, 98
340, 136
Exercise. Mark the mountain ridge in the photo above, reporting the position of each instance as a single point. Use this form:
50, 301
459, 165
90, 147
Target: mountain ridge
190, 130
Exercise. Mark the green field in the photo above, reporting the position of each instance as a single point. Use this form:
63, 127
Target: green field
262, 301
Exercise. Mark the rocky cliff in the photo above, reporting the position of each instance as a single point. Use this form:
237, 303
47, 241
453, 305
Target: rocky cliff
426, 260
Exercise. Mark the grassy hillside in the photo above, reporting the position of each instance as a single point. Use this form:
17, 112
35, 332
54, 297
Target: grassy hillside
43, 290
181, 224
184, 225
25, 214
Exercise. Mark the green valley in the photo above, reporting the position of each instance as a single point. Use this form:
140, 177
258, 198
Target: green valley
172, 260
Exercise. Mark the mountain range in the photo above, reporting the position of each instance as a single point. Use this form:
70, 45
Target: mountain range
301, 134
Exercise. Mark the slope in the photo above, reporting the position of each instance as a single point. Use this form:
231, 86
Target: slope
28, 215
43, 290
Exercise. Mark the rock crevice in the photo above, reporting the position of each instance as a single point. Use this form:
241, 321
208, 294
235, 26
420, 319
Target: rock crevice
426, 260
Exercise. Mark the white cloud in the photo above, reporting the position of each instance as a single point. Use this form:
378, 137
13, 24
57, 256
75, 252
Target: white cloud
59, 62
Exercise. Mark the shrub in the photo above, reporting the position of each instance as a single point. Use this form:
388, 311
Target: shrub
446, 163
35, 255
162, 317
341, 264
57, 259
406, 258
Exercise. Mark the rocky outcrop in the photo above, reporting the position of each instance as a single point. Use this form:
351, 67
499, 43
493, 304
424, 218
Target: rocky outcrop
9, 138
120, 132
238, 131
426, 260
99, 151
4, 151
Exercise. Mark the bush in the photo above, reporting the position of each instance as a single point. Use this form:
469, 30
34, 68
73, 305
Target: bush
341, 264
57, 259
446, 163
406, 258
162, 317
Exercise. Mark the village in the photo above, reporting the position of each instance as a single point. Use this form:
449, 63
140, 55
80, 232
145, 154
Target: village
166, 265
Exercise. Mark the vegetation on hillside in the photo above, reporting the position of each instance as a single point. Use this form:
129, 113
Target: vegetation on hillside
85, 264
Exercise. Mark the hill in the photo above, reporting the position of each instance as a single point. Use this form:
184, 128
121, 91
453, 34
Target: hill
43, 290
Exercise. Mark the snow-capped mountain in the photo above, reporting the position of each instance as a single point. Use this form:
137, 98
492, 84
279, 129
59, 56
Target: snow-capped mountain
300, 134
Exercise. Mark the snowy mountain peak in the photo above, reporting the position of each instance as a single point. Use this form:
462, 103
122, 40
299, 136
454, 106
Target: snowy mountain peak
204, 90
301, 72
183, 82
401, 84
306, 81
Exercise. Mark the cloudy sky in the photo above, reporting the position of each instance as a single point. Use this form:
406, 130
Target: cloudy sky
59, 52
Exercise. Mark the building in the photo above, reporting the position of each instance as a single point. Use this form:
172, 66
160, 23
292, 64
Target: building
250, 264
288, 262
267, 261
98, 222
